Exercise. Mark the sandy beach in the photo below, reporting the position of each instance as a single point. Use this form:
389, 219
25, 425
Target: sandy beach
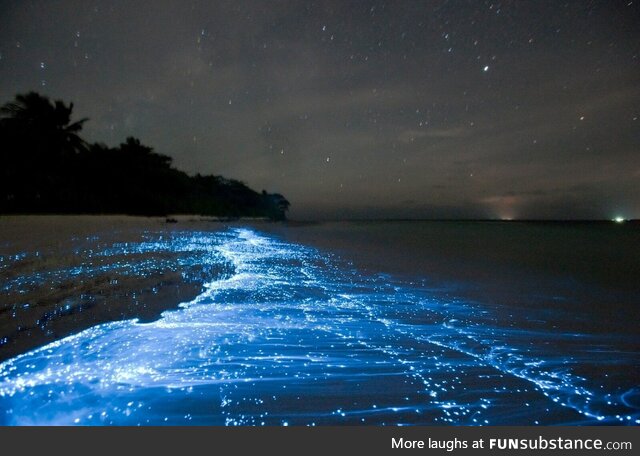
62, 274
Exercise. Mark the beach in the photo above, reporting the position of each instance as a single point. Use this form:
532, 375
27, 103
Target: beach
251, 322
61, 274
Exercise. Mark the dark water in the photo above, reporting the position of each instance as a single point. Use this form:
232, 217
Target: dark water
409, 323
589, 272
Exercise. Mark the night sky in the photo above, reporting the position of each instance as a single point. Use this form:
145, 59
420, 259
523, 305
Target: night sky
358, 110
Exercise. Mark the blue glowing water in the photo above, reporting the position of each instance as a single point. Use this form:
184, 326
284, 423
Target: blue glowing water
297, 337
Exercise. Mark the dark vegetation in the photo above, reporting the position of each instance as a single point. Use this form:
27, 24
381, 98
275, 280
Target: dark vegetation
46, 167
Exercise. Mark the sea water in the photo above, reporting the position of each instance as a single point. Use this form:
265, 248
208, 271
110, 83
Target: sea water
294, 335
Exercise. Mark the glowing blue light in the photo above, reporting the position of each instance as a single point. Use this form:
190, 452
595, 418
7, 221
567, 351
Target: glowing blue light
292, 336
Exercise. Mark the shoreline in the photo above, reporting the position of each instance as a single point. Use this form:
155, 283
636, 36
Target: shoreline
449, 262
61, 275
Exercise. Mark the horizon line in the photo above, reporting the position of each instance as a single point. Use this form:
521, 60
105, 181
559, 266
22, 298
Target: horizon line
440, 219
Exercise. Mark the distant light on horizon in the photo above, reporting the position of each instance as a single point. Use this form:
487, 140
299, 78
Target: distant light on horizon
618, 219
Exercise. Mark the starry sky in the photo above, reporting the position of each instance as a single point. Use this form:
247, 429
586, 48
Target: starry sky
426, 109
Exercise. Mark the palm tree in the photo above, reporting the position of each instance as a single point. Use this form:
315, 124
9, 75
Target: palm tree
45, 166
39, 147
44, 124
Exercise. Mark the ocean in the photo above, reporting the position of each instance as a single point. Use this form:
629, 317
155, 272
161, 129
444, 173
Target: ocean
128, 321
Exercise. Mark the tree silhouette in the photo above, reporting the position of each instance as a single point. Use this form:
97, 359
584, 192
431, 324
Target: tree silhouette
36, 117
46, 167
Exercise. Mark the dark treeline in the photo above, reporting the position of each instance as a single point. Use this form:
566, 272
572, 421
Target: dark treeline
46, 167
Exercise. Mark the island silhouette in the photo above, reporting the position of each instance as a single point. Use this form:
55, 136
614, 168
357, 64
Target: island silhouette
48, 168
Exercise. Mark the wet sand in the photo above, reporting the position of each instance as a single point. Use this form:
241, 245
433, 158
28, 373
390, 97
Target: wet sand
62, 274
